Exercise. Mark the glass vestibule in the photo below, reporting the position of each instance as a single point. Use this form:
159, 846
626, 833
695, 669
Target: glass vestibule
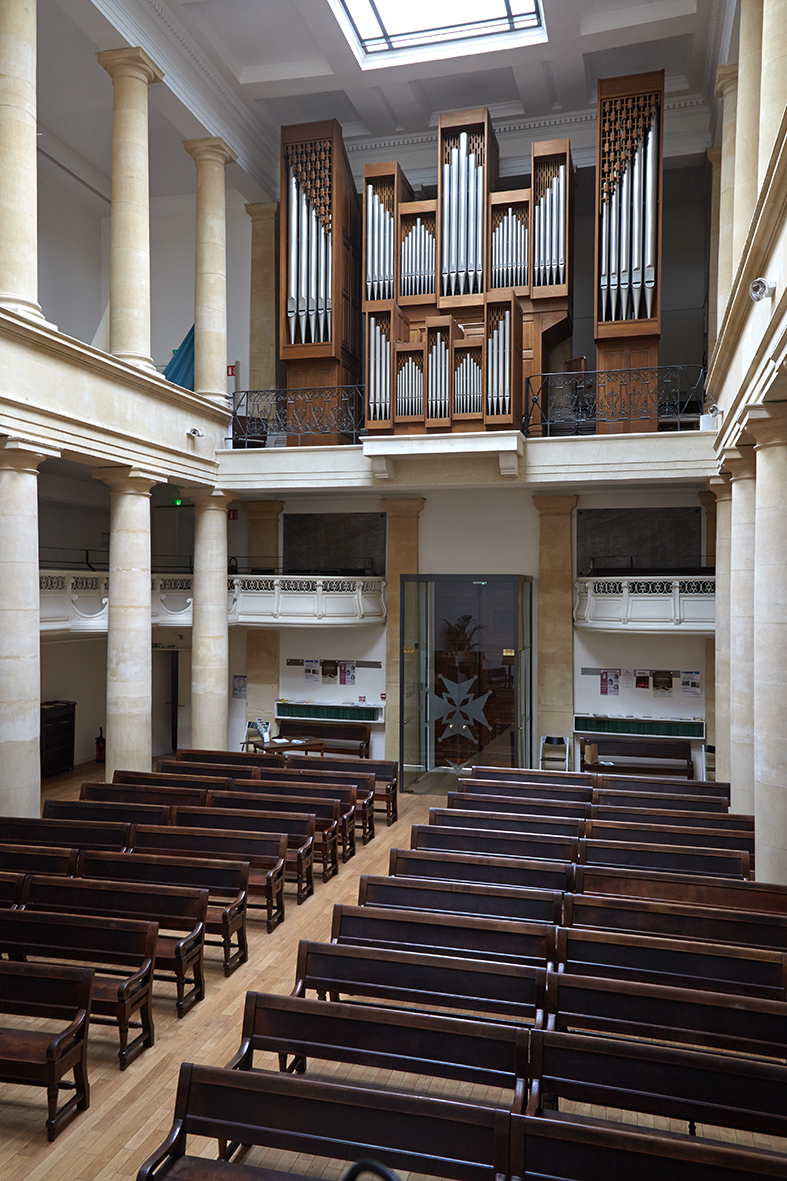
465, 676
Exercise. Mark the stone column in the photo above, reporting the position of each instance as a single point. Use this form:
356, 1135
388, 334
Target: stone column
18, 159
209, 632
740, 463
20, 640
768, 425
555, 661
714, 160
720, 485
708, 502
263, 544
727, 90
262, 643
747, 131
129, 742
210, 273
132, 71
773, 86
401, 558
263, 320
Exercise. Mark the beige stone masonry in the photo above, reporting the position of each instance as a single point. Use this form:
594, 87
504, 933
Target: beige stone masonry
708, 502
773, 85
747, 129
132, 72
740, 464
209, 633
263, 318
401, 558
262, 644
727, 90
555, 693
211, 157
713, 156
720, 485
263, 543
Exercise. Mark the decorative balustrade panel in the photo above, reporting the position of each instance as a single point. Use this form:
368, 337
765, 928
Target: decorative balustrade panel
645, 604
293, 418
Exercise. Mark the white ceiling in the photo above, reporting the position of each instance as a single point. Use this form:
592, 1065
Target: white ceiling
243, 68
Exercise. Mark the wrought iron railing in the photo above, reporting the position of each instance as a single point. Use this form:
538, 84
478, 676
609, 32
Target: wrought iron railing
664, 398
297, 418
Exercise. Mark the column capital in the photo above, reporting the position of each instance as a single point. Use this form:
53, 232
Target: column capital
720, 486
713, 156
262, 211
726, 79
24, 454
707, 500
130, 63
263, 510
740, 462
206, 497
555, 506
394, 507
767, 424
212, 148
128, 479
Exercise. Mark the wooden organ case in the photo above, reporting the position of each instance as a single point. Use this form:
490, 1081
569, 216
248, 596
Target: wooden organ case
628, 233
462, 295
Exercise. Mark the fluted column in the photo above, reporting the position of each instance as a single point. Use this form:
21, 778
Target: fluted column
714, 160
401, 558
740, 463
18, 160
129, 740
747, 129
20, 640
768, 425
263, 318
211, 157
209, 633
773, 85
721, 486
132, 72
727, 90
555, 616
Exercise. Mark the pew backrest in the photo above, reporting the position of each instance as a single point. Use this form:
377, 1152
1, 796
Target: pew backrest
670, 858
78, 834
174, 908
225, 880
481, 868
561, 826
501, 844
230, 757
502, 902
138, 812
38, 859
719, 893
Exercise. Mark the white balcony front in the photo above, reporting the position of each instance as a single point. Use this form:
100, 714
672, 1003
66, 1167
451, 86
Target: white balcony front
646, 604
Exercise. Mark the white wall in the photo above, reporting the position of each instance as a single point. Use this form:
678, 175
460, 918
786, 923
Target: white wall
479, 532
69, 251
236, 707
76, 670
632, 651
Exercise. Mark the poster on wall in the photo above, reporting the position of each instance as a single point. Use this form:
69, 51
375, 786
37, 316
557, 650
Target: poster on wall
691, 684
311, 672
610, 682
346, 672
627, 678
239, 688
662, 683
643, 678
330, 672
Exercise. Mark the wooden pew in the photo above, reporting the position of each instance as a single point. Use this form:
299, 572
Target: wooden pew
590, 795
319, 1118
179, 911
667, 834
744, 1025
346, 795
153, 788
623, 798
266, 857
232, 812
635, 755
197, 771
231, 757
516, 804
719, 893
501, 902
670, 858
561, 826
713, 1089
569, 793
320, 783
464, 936
744, 928
656, 783
385, 771
500, 844
10, 888
38, 859
676, 962
126, 813
481, 868
534, 775
296, 1029
227, 884
339, 737
510, 992
72, 834
41, 1058
122, 951
327, 818
633, 814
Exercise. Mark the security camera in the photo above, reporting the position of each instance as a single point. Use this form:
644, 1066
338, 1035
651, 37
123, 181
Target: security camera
195, 432
760, 288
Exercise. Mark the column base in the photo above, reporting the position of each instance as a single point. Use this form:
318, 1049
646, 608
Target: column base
26, 308
138, 360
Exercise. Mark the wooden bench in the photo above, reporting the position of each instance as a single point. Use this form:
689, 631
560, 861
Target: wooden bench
194, 772
319, 1118
632, 814
499, 844
39, 1057
72, 834
501, 902
154, 788
120, 810
179, 912
320, 783
744, 1025
714, 1089
231, 758
266, 857
516, 804
623, 798
345, 794
327, 819
229, 810
385, 771
570, 793
465, 936
481, 868
719, 893
638, 755
533, 775
560, 826
670, 834
10, 888
672, 858
227, 884
426, 1045
338, 737
658, 783
38, 859
122, 951
509, 992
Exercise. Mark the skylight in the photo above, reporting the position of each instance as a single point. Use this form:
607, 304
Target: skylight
393, 32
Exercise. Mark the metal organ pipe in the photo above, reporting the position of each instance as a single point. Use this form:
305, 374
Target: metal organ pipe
549, 233
308, 268
509, 251
651, 183
462, 227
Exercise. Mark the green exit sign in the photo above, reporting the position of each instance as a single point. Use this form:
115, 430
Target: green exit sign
177, 503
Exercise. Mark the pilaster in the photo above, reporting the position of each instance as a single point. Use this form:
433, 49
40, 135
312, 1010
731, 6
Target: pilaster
727, 90
720, 485
401, 558
263, 317
555, 693
740, 463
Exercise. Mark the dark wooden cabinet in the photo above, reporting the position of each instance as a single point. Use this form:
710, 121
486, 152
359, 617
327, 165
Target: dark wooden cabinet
57, 736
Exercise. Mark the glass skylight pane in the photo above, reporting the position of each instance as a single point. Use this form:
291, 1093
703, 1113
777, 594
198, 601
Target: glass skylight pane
414, 16
362, 15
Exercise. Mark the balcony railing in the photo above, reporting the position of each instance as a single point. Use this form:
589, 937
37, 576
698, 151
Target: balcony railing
297, 418
77, 602
664, 398
645, 604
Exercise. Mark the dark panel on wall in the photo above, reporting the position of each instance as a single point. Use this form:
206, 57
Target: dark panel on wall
334, 543
644, 540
